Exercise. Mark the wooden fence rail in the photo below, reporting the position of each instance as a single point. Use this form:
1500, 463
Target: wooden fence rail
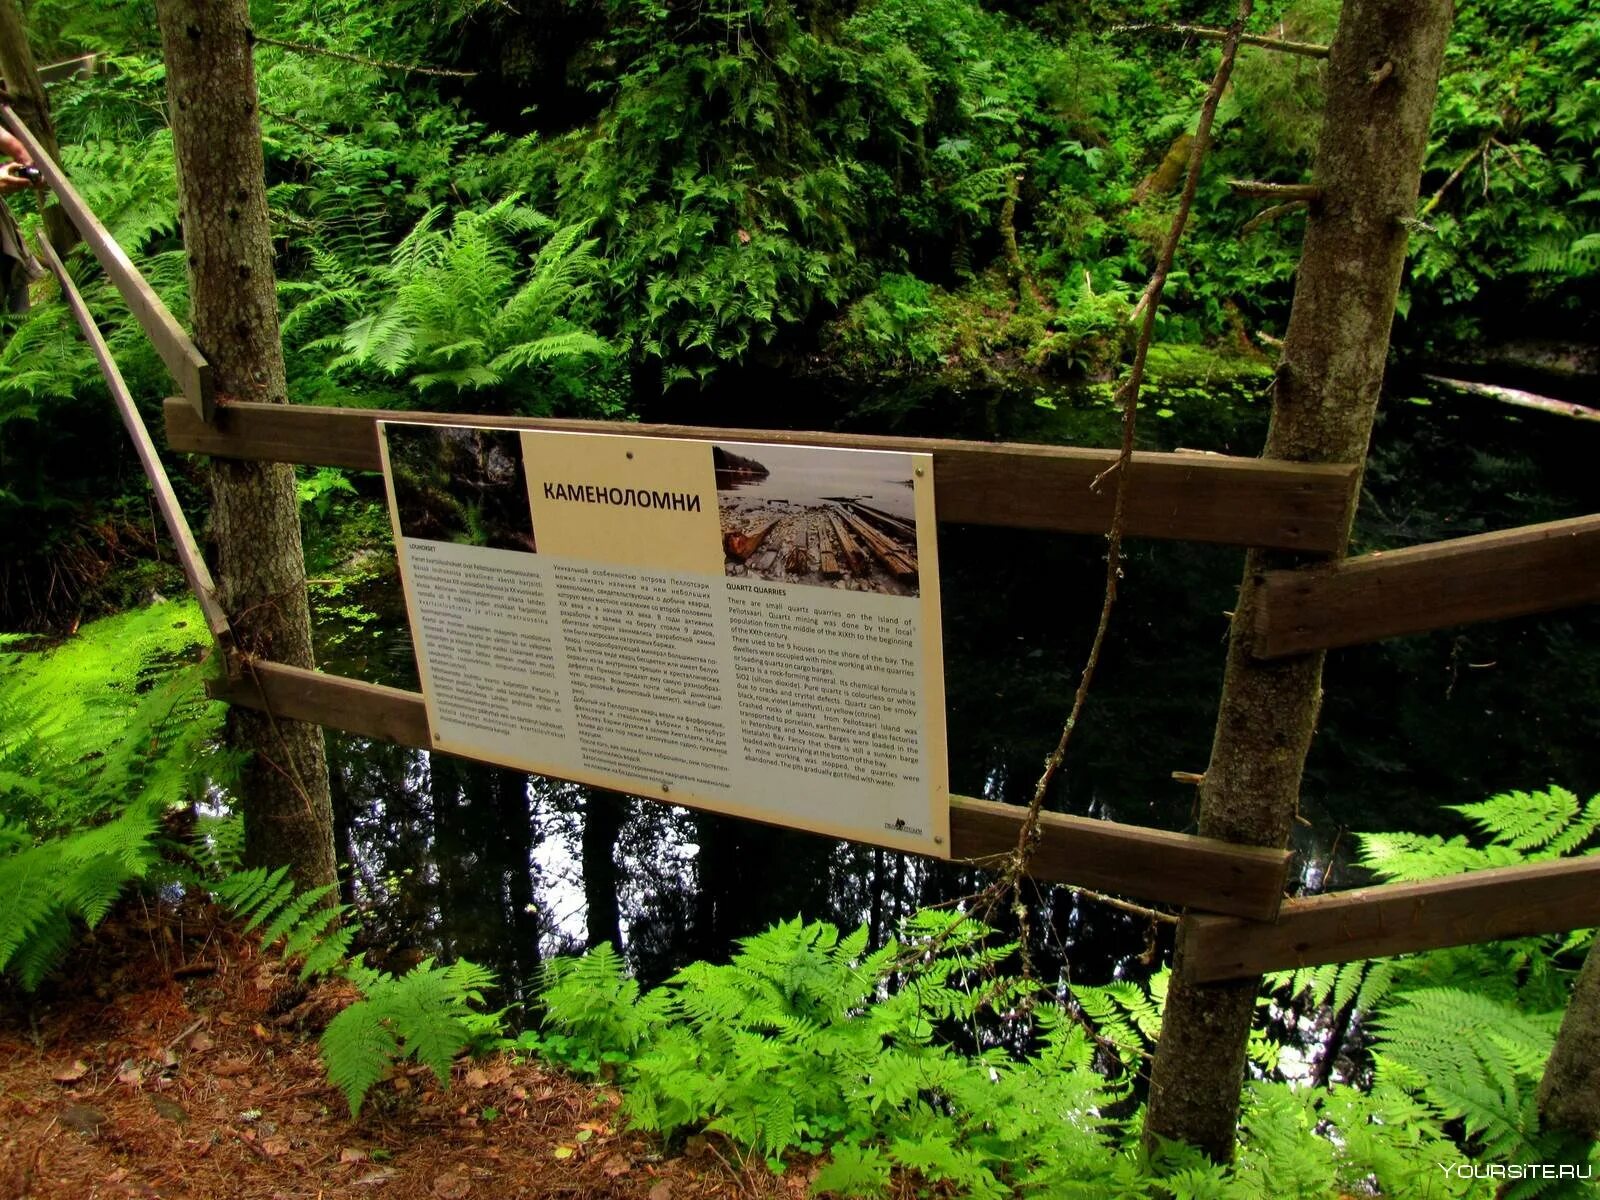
1397, 918
1490, 576
1245, 927
1197, 497
177, 351
194, 566
1154, 864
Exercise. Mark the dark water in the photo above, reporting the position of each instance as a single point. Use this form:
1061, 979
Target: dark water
461, 859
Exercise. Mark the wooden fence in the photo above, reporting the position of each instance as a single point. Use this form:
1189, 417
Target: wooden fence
1244, 925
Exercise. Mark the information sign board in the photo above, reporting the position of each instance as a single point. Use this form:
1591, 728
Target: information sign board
747, 628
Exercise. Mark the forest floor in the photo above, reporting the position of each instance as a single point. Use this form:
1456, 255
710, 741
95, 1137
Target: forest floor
177, 1061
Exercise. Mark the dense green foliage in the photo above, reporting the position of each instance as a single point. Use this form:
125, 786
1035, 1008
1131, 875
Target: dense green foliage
846, 189
100, 738
908, 1056
107, 745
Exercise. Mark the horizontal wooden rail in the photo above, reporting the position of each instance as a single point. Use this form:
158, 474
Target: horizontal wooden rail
80, 67
1398, 918
1199, 497
1486, 577
189, 556
177, 351
1174, 868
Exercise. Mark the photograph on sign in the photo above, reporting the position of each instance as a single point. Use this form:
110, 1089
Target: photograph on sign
840, 521
463, 485
747, 628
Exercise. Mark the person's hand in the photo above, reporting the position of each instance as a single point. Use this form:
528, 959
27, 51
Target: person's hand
12, 178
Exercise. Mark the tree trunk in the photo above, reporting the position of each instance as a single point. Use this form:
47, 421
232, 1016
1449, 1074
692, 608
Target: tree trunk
1569, 1093
1382, 81
603, 814
29, 101
255, 519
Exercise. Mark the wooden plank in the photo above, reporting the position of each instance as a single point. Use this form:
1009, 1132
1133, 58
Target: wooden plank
189, 556
177, 351
1150, 863
80, 67
1400, 918
1486, 577
1198, 497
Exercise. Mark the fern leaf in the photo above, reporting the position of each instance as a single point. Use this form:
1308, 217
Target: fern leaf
357, 1048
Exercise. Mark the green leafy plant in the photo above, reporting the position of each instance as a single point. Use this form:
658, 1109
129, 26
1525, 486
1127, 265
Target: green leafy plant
458, 315
100, 738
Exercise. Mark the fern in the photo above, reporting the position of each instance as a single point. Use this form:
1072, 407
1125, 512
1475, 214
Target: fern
429, 1014
99, 738
456, 314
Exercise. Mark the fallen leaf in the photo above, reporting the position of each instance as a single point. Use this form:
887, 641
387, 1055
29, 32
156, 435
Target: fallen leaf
349, 1154
401, 1084
130, 1075
170, 1110
71, 1074
564, 1151
169, 1059
230, 1067
260, 1031
84, 1118
615, 1165
201, 1042
477, 1078
661, 1191
272, 1147
374, 1178
499, 1074
451, 1186
519, 1092
599, 1127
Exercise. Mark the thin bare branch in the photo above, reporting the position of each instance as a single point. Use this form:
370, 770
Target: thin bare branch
1007, 887
382, 64
1267, 215
1282, 45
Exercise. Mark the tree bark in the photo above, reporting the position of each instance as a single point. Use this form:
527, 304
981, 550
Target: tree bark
1569, 1093
1383, 80
29, 101
255, 519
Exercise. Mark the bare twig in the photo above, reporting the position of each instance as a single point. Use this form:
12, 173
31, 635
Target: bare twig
1272, 214
1007, 886
1461, 169
1283, 45
381, 63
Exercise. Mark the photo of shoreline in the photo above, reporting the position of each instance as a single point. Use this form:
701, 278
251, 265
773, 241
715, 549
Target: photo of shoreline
842, 519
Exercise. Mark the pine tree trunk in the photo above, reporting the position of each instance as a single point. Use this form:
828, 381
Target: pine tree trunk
1382, 82
28, 101
1569, 1093
255, 519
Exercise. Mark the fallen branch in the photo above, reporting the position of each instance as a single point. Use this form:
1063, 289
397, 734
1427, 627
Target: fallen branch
1561, 408
1206, 33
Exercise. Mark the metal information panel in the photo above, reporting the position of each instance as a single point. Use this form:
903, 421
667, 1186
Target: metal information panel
747, 628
